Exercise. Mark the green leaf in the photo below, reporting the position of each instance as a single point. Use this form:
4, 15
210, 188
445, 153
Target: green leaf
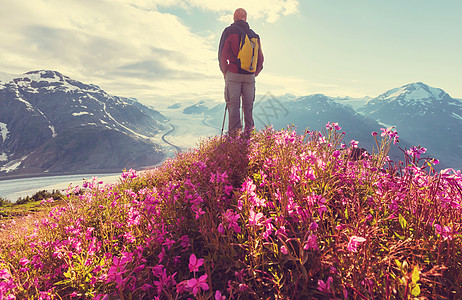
415, 275
399, 236
63, 282
398, 263
402, 221
416, 290
257, 176
346, 213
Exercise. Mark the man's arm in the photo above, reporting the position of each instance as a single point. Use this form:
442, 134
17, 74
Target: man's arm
222, 49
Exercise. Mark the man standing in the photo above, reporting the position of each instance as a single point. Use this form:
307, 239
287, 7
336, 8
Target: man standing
241, 59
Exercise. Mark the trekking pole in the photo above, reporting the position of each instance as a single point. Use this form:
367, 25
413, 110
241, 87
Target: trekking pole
224, 118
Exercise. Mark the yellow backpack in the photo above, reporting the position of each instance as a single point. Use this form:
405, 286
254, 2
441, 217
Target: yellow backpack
248, 53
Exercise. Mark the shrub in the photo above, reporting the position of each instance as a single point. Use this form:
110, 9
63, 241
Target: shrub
38, 196
278, 215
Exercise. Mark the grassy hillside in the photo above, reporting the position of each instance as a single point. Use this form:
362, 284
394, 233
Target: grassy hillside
27, 205
275, 216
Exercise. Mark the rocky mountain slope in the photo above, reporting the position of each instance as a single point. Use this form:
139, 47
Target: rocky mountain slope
425, 116
52, 124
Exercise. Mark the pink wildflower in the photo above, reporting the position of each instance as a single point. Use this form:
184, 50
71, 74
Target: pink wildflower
195, 263
445, 232
165, 281
331, 126
284, 250
157, 270
129, 237
231, 218
249, 188
325, 286
4, 274
24, 261
354, 243
390, 133
219, 296
309, 174
134, 217
198, 210
254, 218
311, 243
197, 284
313, 226
169, 243
415, 152
221, 229
294, 177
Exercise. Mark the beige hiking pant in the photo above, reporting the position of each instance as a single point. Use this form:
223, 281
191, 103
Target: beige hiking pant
237, 85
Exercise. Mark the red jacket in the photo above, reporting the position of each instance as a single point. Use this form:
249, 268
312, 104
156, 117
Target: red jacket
229, 48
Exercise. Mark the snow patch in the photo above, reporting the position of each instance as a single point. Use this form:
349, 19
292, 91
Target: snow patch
3, 157
25, 85
53, 131
82, 113
456, 116
12, 165
28, 105
113, 119
3, 131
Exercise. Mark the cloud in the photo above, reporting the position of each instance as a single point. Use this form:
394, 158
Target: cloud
268, 10
128, 47
106, 41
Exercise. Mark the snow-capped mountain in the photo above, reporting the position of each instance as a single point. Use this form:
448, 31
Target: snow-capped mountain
416, 99
196, 109
424, 116
52, 123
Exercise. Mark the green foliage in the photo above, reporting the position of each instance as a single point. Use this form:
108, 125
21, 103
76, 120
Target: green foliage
39, 196
4, 202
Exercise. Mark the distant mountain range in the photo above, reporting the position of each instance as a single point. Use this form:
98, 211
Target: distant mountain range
51, 124
421, 114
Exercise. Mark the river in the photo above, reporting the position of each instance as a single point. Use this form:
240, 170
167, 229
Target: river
12, 189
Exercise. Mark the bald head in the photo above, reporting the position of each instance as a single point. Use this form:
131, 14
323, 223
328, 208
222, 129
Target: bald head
240, 14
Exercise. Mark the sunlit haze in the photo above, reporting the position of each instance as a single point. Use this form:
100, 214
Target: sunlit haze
159, 51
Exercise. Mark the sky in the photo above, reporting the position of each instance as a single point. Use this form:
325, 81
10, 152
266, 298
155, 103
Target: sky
165, 51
